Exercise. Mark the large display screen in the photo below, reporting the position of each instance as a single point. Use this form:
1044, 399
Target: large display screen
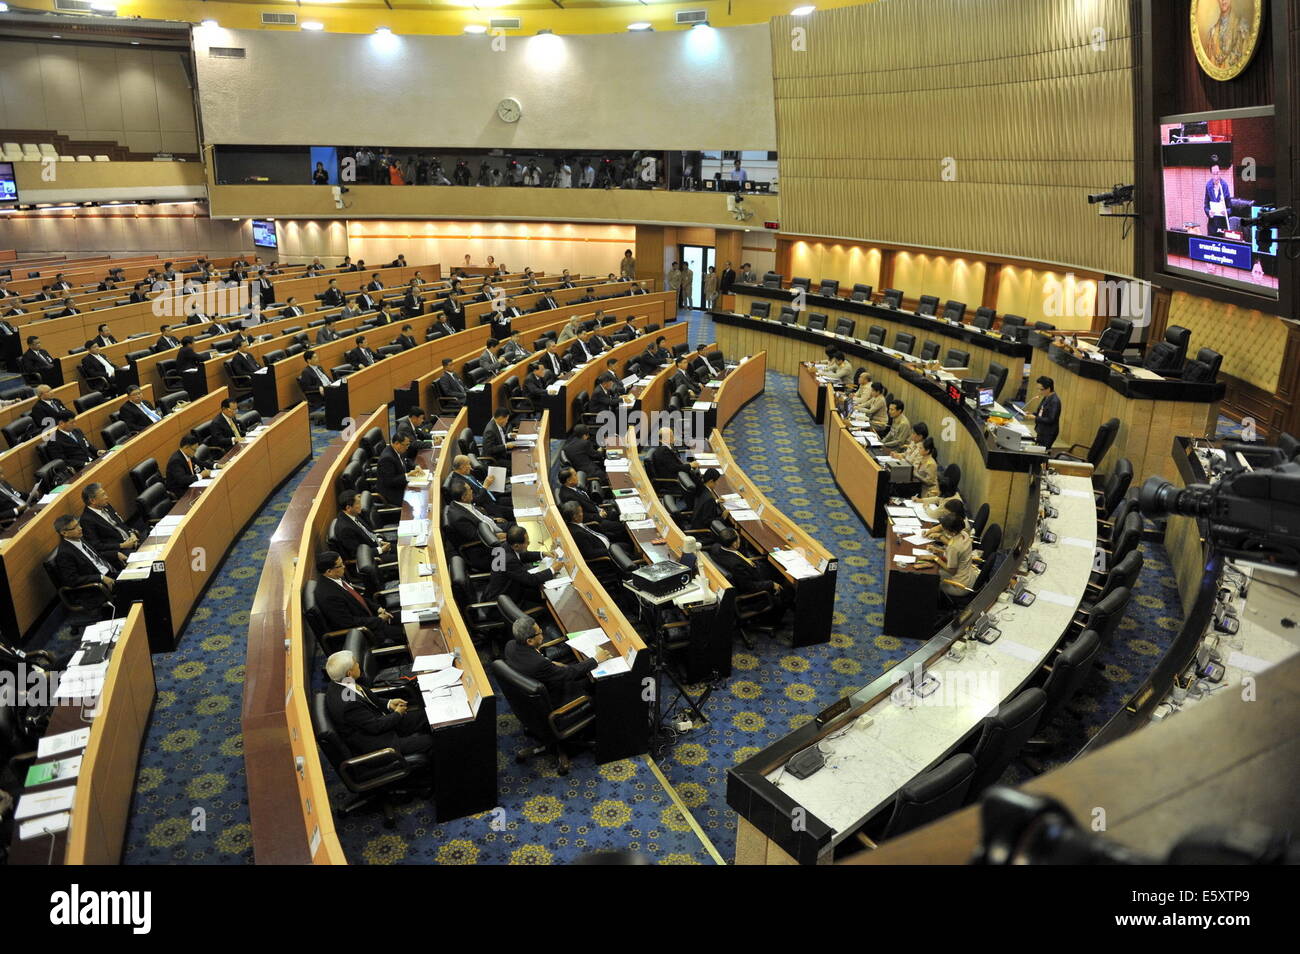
264, 233
8, 184
1218, 175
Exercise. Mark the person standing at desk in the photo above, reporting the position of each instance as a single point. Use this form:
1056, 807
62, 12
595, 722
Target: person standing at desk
900, 429
1047, 419
1218, 200
627, 267
727, 279
738, 174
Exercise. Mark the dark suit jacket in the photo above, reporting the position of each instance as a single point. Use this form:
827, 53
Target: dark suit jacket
341, 611
45, 413
104, 340
514, 580
101, 536
134, 418
406, 341
590, 509
308, 381
390, 479
187, 357
454, 312
588, 543
9, 506
91, 366
450, 385
494, 443
178, 476
413, 305
709, 367
463, 526
220, 433
652, 357
360, 359
241, 363
326, 334
584, 455
363, 722
266, 289
602, 400
666, 462
74, 567
348, 535
73, 447
332, 298
34, 361
550, 365
706, 510
680, 379
577, 355
563, 683
535, 388
1047, 422
165, 343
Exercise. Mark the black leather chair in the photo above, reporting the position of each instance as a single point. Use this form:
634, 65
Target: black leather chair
1071, 668
554, 727
1204, 368
760, 309
929, 350
788, 315
771, 279
904, 342
369, 776
18, 394
1166, 357
876, 335
892, 298
1115, 487
927, 305
115, 433
18, 430
846, 327
1014, 327
1096, 452
1116, 338
84, 604
861, 292
329, 640
1106, 614
995, 378
482, 618
926, 798
1001, 738
829, 287
88, 401
804, 283
956, 358
984, 317
980, 520
816, 321
1123, 573
954, 310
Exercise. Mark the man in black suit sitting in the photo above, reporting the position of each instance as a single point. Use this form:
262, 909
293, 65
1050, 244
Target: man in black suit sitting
535, 385
707, 367
415, 427
105, 531
592, 543
665, 462
681, 382
563, 682
291, 309
47, 409
137, 413
343, 606
605, 401
583, 452
605, 518
352, 528
326, 333
406, 339
450, 385
488, 502
68, 309
656, 355
242, 361
367, 721
224, 430
313, 378
554, 361
71, 445
361, 356
333, 296
165, 341
35, 360
706, 509
375, 285
515, 572
463, 522
78, 564
391, 474
746, 574
103, 338
182, 469
496, 443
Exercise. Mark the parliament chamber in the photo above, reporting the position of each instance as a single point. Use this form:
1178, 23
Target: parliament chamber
743, 444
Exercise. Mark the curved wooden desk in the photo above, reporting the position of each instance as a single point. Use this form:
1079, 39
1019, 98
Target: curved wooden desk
106, 782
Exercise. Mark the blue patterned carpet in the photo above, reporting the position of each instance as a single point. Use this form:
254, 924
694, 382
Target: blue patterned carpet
191, 800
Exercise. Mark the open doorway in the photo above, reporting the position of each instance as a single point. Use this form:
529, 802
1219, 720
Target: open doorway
700, 258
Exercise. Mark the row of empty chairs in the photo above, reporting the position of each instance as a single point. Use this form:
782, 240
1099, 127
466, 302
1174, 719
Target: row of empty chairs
40, 152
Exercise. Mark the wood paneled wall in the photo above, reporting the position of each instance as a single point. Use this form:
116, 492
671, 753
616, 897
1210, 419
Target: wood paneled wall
958, 124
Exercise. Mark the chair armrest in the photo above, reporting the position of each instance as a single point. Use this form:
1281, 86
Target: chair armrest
571, 705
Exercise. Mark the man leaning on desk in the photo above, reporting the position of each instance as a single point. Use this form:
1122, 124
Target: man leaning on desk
524, 655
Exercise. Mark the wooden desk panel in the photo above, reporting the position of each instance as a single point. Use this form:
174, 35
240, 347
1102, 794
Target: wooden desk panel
742, 385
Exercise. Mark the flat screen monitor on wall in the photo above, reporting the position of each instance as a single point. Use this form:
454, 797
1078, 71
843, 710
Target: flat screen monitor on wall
1218, 174
8, 184
264, 233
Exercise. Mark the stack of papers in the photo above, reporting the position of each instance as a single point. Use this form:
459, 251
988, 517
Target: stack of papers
62, 742
641, 525
795, 563
710, 460
523, 479
631, 508
167, 525
587, 641
144, 555
620, 466
742, 515
82, 682
734, 502
450, 704
45, 803
417, 594
439, 679
611, 667
702, 405
432, 662
524, 512
203, 482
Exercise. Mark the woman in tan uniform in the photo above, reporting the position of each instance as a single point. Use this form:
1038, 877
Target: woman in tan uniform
955, 557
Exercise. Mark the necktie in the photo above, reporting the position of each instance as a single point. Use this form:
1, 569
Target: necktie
148, 412
366, 530
114, 522
354, 594
17, 497
91, 555
320, 375
599, 536
234, 426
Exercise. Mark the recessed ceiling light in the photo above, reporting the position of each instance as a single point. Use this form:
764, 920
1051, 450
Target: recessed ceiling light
640, 25
313, 25
802, 11
475, 28
4, 8
383, 31
702, 25
135, 42
56, 36
210, 23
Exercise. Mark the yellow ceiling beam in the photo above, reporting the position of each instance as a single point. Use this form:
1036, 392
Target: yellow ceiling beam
452, 16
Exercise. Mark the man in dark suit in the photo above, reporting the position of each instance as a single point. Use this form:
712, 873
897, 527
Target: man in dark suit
605, 518
706, 509
224, 430
450, 385
438, 329
665, 462
68, 309
364, 302
512, 571
182, 468
583, 452
313, 377
707, 367
361, 356
563, 682
655, 355
406, 339
1218, 200
488, 502
453, 311
333, 296
78, 564
626, 333
592, 544
95, 365
727, 279
579, 353
553, 361
367, 721
496, 443
546, 303
383, 316
488, 360
353, 528
535, 385
137, 413
415, 427
187, 357
105, 531
464, 520
103, 338
587, 296
681, 379
326, 333
605, 400
138, 293
1047, 419
745, 573
291, 309
413, 301
71, 445
375, 285
47, 409
315, 266
165, 341
242, 361
343, 606
35, 360
265, 289
391, 473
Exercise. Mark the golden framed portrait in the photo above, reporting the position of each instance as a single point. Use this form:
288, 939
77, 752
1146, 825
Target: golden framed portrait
1225, 34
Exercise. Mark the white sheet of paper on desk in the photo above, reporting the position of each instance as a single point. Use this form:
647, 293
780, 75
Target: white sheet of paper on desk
621, 466
1248, 663
137, 571
630, 505
44, 825
144, 555
611, 667
587, 641
744, 515
447, 705
45, 803
417, 594
899, 511
520, 478
102, 632
1018, 650
525, 512
641, 525
728, 497
903, 560
556, 585
702, 406
62, 742
917, 540
1086, 495
424, 569
553, 388
170, 520
906, 526
432, 662
439, 679
412, 528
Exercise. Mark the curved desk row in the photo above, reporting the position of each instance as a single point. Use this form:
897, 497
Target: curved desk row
115, 720
1000, 478
889, 735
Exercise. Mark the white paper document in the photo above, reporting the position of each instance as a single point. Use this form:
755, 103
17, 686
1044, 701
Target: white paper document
62, 742
447, 705
45, 825
611, 667
45, 802
440, 679
417, 594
